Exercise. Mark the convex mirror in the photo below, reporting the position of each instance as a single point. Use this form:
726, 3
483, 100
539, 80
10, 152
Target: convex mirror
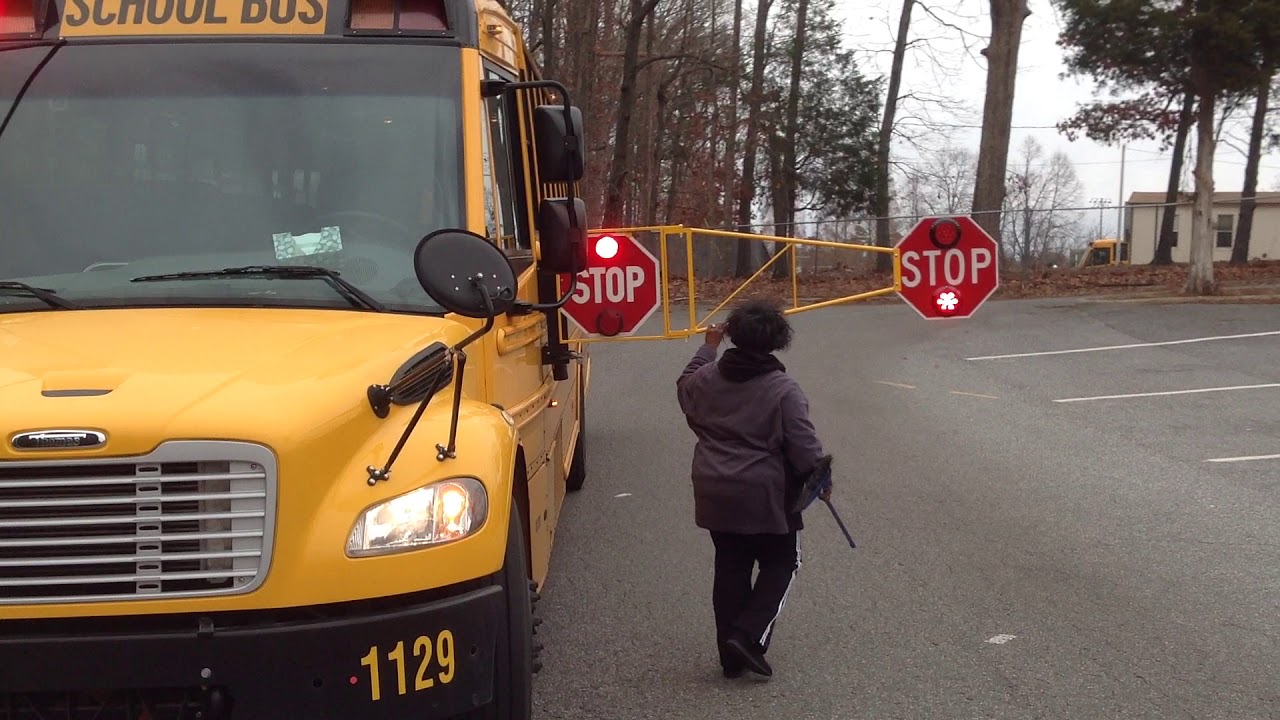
458, 269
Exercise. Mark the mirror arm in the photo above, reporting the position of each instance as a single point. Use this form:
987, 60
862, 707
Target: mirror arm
377, 474
494, 88
444, 452
524, 308
384, 473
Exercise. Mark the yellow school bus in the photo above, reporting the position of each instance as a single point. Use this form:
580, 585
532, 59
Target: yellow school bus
1104, 251
288, 410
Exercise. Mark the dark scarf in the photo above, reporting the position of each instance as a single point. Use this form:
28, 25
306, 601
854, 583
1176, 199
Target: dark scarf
739, 365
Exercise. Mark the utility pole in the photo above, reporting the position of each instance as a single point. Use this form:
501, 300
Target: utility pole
1100, 203
1120, 206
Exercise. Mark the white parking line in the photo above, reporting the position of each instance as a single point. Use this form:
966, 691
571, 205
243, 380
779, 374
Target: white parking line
1127, 347
977, 395
1169, 392
1244, 458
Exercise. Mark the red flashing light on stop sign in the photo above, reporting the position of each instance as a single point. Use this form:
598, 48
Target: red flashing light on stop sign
606, 247
948, 300
944, 233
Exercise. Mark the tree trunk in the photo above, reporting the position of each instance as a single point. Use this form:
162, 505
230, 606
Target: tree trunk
880, 207
735, 85
777, 189
584, 51
549, 41
674, 136
1026, 234
790, 174
659, 143
713, 130
651, 171
1007, 17
1200, 275
537, 29
618, 167
1164, 249
1248, 199
747, 187
677, 179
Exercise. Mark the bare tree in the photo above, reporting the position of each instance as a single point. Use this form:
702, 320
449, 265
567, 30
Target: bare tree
881, 202
755, 99
1186, 118
1007, 17
1041, 196
786, 175
947, 178
619, 168
1248, 202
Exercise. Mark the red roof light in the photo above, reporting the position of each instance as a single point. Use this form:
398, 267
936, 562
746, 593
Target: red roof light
17, 17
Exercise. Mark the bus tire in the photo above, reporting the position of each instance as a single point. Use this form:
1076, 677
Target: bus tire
578, 469
513, 661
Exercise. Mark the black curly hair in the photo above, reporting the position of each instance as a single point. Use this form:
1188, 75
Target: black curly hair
759, 326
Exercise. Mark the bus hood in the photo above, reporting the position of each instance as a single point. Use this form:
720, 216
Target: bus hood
142, 376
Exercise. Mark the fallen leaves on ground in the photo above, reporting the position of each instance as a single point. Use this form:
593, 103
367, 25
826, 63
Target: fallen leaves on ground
1123, 280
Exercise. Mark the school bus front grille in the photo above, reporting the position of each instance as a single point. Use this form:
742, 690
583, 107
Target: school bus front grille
191, 519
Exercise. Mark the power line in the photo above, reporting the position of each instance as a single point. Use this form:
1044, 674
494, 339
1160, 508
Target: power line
1093, 208
973, 127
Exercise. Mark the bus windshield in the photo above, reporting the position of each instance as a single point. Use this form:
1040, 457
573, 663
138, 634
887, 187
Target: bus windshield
129, 160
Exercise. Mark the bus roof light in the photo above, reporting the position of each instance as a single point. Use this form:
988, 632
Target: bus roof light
423, 15
398, 16
17, 17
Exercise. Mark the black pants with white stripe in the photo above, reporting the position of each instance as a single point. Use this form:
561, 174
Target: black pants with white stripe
740, 606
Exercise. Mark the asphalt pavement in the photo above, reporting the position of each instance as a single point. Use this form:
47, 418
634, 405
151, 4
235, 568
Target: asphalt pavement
1067, 535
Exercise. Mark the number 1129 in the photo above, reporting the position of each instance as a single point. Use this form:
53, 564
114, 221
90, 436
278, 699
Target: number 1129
441, 651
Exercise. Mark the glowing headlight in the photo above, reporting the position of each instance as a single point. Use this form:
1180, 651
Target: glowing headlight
440, 512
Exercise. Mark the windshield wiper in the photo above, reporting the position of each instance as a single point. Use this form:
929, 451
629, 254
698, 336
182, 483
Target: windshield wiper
355, 295
47, 296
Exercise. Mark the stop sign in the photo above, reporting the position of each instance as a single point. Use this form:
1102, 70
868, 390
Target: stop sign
950, 266
618, 291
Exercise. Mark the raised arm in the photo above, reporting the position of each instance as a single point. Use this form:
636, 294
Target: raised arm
705, 354
803, 448
684, 392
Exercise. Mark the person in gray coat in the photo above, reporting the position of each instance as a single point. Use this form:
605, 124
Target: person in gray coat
755, 446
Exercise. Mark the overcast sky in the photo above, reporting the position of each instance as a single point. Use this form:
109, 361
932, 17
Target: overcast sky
1041, 99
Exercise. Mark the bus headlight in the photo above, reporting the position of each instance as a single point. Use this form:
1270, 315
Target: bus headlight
438, 513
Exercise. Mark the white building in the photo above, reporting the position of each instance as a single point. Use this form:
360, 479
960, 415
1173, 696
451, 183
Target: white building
1144, 210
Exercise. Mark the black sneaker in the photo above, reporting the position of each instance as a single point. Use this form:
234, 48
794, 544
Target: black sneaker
749, 656
733, 673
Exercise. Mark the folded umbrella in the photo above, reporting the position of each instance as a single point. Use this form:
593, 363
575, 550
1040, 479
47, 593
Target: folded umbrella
818, 482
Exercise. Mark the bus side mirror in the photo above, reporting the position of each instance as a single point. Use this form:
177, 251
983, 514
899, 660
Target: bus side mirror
561, 150
466, 274
562, 236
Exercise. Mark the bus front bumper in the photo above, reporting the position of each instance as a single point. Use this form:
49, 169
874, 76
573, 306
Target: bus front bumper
423, 661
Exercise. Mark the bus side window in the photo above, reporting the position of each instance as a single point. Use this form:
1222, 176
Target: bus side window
499, 164
491, 230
